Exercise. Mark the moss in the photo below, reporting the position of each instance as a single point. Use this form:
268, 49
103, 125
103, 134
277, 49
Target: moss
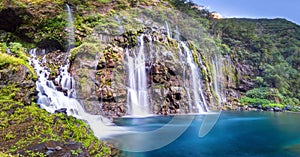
7, 59
8, 92
36, 125
18, 57
5, 154
45, 127
86, 47
25, 126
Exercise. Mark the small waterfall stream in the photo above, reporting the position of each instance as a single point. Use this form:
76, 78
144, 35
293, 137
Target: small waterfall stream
137, 98
194, 86
169, 34
49, 97
70, 28
218, 78
177, 34
61, 95
64, 100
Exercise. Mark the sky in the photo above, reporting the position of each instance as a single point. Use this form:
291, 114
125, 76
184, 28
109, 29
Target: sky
288, 9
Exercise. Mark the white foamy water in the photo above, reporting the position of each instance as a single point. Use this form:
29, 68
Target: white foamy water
194, 85
137, 94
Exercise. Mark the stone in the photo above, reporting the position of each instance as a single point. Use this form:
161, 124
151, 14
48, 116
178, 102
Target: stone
58, 148
277, 109
58, 88
288, 108
178, 96
111, 63
49, 152
65, 91
101, 65
62, 110
244, 108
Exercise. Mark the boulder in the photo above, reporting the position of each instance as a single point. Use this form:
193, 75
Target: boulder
277, 109
62, 110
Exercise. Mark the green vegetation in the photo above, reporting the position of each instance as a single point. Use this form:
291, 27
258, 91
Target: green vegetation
17, 57
5, 154
25, 125
37, 126
255, 101
264, 53
266, 97
86, 49
271, 47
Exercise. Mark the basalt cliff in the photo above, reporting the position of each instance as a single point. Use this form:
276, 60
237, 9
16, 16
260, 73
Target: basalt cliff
128, 57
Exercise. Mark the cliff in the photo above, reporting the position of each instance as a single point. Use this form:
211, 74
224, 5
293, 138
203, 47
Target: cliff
242, 64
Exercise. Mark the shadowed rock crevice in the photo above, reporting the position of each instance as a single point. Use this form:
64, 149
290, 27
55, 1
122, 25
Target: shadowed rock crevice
10, 19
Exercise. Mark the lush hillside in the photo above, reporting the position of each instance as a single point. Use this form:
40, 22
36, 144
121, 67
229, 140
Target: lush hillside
265, 54
254, 61
270, 48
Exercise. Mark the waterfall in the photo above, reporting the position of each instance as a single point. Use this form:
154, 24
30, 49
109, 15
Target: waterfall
70, 28
168, 30
137, 94
177, 34
49, 97
194, 86
218, 79
60, 95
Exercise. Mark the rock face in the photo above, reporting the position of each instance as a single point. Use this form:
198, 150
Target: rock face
18, 76
28, 130
102, 74
255, 54
98, 61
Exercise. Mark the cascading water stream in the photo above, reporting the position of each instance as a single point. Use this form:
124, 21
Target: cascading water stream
70, 28
168, 30
194, 84
61, 96
137, 94
49, 97
218, 78
177, 34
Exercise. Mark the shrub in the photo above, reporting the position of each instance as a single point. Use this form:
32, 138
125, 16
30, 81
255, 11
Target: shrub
254, 101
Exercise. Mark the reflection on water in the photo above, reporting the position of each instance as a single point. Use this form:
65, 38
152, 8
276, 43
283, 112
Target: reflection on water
235, 134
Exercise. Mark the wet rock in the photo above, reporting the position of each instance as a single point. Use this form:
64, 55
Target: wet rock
49, 152
177, 96
277, 109
62, 110
59, 88
67, 149
28, 84
65, 91
58, 148
101, 65
244, 108
111, 63
55, 83
287, 108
